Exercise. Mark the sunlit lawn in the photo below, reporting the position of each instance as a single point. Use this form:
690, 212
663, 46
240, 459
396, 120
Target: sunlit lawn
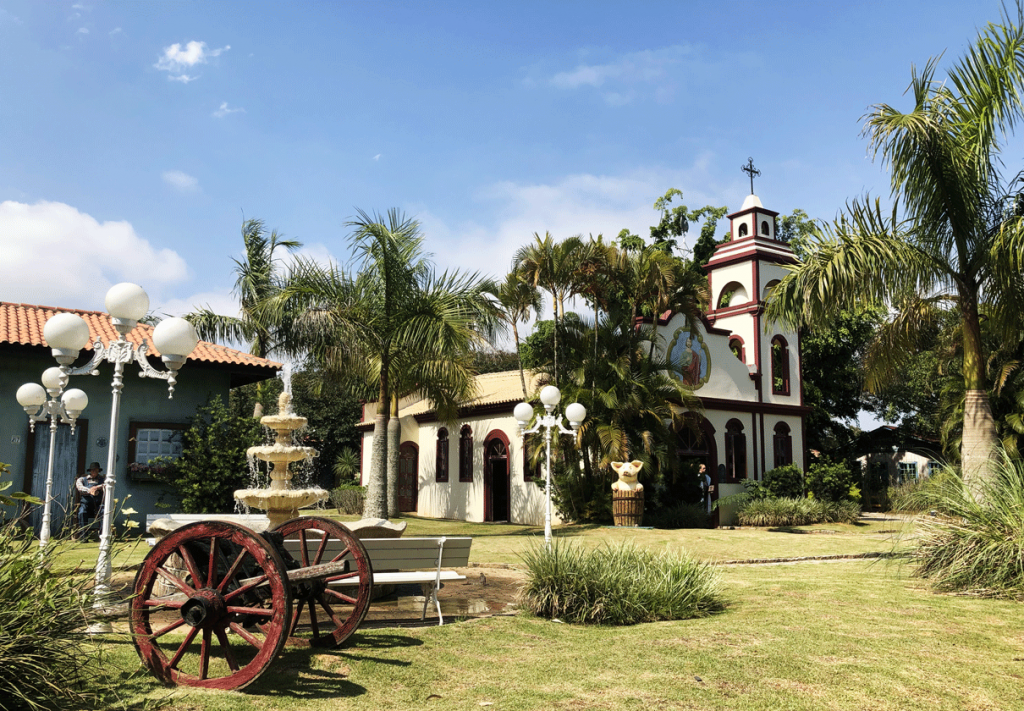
846, 634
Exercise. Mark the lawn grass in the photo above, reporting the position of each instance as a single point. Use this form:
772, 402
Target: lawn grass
847, 634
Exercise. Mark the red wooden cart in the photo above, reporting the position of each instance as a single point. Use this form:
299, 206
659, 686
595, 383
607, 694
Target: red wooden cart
215, 602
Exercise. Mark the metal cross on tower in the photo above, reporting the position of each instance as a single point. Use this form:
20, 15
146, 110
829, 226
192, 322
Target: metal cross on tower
750, 170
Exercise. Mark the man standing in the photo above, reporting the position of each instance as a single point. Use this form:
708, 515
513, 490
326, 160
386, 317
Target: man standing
90, 492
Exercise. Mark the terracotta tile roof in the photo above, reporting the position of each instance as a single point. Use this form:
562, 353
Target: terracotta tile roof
492, 389
22, 324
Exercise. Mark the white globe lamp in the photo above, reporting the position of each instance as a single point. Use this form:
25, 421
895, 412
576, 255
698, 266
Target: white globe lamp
175, 338
74, 401
52, 379
66, 334
523, 413
31, 396
127, 302
575, 413
550, 396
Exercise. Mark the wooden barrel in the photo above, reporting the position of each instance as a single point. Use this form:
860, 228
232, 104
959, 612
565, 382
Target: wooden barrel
628, 508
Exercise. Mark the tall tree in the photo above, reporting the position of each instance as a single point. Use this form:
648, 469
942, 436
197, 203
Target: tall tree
554, 266
516, 301
396, 325
949, 238
257, 279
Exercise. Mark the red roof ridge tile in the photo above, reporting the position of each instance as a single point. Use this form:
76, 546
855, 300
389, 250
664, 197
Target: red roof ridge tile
26, 328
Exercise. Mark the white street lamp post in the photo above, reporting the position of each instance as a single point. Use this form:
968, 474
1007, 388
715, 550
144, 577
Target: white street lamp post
175, 338
576, 413
58, 408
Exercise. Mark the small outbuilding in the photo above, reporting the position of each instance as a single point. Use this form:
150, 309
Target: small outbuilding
150, 424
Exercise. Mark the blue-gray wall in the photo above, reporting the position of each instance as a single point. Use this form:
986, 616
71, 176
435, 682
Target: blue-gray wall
142, 399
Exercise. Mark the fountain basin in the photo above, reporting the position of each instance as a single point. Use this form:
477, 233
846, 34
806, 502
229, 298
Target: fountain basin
281, 453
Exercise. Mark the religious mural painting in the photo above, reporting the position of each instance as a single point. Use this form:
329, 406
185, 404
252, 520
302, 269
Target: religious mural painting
689, 356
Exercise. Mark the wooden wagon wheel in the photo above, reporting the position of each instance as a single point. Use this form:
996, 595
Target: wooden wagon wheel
225, 617
335, 612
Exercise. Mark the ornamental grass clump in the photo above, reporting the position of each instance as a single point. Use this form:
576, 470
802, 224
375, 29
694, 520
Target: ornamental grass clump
617, 584
795, 512
973, 542
44, 654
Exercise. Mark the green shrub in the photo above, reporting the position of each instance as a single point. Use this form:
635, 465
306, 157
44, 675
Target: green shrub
346, 467
914, 496
831, 481
785, 482
841, 511
795, 512
975, 543
46, 660
348, 498
678, 516
213, 461
616, 584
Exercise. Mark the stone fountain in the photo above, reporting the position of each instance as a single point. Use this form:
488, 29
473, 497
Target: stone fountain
280, 501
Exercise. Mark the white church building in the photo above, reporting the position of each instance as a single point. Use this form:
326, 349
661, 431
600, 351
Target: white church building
744, 370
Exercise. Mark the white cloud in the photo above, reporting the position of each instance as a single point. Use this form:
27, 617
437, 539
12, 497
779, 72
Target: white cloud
116, 31
82, 31
224, 110
575, 204
651, 73
377, 157
181, 181
176, 59
54, 255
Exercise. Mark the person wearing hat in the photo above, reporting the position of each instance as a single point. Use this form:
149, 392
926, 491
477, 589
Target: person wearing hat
90, 492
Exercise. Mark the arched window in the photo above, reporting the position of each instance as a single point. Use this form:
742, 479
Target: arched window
466, 453
764, 227
733, 293
783, 445
736, 346
441, 461
743, 229
780, 366
735, 451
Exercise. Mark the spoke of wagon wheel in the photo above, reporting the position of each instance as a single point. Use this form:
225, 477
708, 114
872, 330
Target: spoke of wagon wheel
232, 570
341, 596
175, 581
190, 565
246, 635
225, 644
204, 655
212, 569
249, 585
330, 613
184, 645
169, 628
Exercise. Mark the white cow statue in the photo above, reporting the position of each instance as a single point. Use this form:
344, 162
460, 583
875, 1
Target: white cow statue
628, 473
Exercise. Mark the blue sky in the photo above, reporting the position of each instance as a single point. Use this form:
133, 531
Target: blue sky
136, 136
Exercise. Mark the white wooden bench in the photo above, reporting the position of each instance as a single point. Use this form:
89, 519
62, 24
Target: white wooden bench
399, 561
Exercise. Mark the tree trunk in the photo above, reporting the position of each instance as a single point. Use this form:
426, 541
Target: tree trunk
376, 505
979, 435
519, 357
394, 442
979, 441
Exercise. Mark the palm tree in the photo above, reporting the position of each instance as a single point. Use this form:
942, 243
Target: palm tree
257, 280
554, 266
516, 300
950, 237
394, 327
